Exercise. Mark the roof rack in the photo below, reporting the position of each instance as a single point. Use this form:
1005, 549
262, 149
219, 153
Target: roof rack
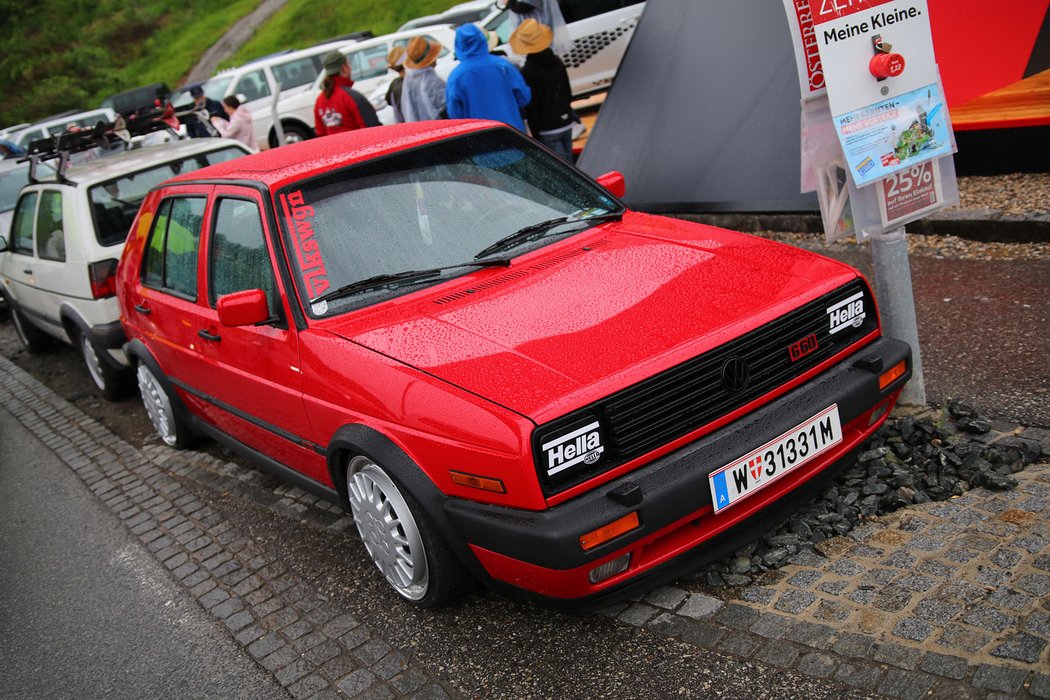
107, 136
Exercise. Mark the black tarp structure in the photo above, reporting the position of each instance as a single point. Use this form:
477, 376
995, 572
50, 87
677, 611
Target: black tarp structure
704, 113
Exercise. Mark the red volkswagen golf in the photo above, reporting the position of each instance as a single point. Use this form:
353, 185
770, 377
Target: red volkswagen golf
497, 368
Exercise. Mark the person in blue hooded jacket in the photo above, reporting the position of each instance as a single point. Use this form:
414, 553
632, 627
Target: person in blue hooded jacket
484, 86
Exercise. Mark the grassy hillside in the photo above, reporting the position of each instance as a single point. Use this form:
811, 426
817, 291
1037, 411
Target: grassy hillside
58, 55
301, 23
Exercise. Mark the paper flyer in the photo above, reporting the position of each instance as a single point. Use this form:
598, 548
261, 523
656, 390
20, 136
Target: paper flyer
898, 132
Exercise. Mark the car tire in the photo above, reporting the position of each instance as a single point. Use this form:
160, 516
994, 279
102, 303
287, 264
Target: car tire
32, 338
293, 133
400, 539
171, 429
109, 381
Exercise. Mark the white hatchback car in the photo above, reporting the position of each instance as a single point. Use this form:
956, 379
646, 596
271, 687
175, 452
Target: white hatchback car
58, 264
368, 68
58, 124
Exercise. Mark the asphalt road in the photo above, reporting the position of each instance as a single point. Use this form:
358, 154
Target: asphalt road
85, 610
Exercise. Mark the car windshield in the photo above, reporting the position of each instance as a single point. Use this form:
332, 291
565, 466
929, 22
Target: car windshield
442, 204
12, 180
115, 202
215, 89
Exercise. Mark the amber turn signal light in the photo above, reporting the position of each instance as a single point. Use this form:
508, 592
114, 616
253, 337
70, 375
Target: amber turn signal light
607, 532
477, 482
895, 372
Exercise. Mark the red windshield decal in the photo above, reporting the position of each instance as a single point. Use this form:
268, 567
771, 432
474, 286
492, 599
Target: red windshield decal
299, 216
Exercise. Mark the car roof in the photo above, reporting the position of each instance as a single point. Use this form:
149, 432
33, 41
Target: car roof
142, 158
277, 167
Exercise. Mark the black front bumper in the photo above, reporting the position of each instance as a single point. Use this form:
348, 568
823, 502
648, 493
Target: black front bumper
675, 486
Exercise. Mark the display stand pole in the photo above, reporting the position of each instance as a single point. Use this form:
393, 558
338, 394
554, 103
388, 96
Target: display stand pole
889, 253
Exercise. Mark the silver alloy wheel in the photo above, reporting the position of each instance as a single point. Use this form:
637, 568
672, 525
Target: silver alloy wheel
292, 137
93, 361
158, 407
387, 528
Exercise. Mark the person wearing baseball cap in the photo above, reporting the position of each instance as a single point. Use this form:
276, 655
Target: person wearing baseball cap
338, 107
549, 112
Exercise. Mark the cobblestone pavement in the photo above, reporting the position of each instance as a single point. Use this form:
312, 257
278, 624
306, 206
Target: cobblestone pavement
940, 600
312, 648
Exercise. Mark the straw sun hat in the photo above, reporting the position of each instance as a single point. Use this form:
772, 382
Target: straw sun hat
530, 37
396, 58
422, 52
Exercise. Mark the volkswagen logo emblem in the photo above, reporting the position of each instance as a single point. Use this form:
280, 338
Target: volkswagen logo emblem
735, 375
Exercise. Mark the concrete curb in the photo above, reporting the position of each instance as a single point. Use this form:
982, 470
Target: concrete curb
985, 225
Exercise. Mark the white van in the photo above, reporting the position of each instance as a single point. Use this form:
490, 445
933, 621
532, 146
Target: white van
257, 81
368, 69
600, 32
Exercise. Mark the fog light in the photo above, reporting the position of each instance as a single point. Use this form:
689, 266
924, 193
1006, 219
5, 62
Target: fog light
878, 413
610, 568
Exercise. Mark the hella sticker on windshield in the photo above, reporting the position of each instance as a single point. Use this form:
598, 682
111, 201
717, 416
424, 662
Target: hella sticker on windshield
846, 313
582, 444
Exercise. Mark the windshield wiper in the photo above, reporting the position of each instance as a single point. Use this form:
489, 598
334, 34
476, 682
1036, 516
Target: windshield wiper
533, 231
405, 277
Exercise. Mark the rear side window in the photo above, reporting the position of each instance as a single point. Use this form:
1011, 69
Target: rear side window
172, 249
253, 86
50, 236
295, 73
22, 226
368, 63
239, 260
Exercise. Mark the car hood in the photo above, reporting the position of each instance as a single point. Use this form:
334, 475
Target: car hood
575, 321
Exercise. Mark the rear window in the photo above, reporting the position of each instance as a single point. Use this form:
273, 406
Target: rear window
115, 202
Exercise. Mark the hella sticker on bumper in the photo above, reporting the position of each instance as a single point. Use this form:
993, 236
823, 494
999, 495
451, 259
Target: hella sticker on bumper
582, 444
846, 313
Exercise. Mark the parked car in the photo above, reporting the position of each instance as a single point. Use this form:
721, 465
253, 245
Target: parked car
58, 264
600, 30
456, 15
494, 365
256, 82
138, 100
369, 70
58, 124
14, 175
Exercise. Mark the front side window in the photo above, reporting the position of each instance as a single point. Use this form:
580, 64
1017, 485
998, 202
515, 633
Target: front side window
368, 63
239, 260
50, 238
446, 203
22, 226
115, 202
172, 250
11, 183
215, 89
253, 86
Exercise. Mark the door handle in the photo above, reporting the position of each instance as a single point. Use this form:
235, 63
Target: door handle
27, 271
209, 336
143, 309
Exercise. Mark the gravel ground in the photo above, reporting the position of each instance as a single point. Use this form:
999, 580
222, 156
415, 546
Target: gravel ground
1016, 195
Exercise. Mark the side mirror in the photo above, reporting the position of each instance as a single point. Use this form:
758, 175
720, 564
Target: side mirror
614, 182
245, 308
3, 245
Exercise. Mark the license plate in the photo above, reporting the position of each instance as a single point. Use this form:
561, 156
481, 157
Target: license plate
754, 471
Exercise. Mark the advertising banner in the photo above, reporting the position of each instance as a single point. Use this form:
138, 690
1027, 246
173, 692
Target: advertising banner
881, 74
807, 55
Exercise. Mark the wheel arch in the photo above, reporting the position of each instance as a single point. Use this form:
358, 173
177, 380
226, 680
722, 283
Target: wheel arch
137, 351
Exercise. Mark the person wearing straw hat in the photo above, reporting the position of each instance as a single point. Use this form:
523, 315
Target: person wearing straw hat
484, 86
549, 112
396, 62
423, 91
338, 108
546, 12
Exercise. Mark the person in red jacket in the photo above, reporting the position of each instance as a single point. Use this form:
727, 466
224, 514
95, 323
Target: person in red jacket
336, 110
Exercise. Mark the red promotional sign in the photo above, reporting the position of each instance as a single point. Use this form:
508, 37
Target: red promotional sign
828, 10
908, 193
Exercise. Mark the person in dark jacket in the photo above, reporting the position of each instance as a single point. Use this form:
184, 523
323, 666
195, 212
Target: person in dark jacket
484, 86
396, 61
206, 108
549, 113
339, 107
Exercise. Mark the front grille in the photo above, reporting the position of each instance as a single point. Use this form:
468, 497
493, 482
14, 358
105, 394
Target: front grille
679, 400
